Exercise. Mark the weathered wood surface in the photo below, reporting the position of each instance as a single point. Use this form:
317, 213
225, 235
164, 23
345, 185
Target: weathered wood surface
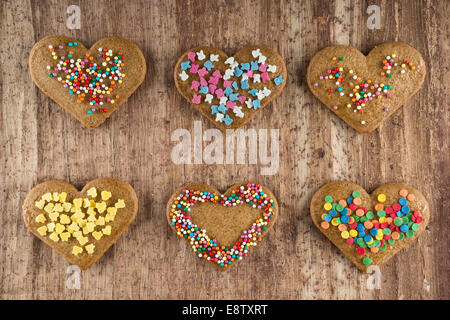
40, 141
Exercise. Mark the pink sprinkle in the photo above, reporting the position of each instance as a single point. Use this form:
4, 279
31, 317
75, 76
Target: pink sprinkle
265, 77
250, 73
213, 80
212, 88
202, 72
219, 93
196, 99
194, 68
217, 74
203, 82
195, 85
191, 56
263, 67
231, 104
242, 99
227, 83
388, 95
335, 107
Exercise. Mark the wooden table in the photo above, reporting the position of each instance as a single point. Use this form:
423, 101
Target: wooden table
40, 141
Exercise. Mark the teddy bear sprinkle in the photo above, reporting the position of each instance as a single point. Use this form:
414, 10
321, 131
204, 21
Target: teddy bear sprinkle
87, 78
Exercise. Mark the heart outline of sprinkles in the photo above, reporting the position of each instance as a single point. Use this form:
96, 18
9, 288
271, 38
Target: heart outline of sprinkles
230, 90
87, 228
250, 196
371, 228
88, 83
365, 90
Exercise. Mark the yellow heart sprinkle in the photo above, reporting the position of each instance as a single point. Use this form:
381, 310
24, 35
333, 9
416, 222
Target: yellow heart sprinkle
64, 219
120, 204
97, 235
54, 237
41, 218
53, 216
65, 236
101, 206
106, 195
90, 248
47, 197
76, 250
107, 230
42, 230
92, 192
40, 204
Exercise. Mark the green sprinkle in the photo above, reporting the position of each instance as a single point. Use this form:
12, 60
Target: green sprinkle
377, 243
387, 231
339, 207
398, 222
381, 213
356, 194
415, 226
401, 236
328, 199
391, 241
410, 233
338, 220
361, 242
369, 215
390, 76
383, 247
367, 261
341, 58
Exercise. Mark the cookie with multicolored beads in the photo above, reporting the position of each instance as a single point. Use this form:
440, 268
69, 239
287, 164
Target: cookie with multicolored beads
365, 90
80, 225
221, 228
92, 83
369, 228
230, 91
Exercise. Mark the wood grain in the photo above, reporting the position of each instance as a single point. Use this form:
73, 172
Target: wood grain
40, 141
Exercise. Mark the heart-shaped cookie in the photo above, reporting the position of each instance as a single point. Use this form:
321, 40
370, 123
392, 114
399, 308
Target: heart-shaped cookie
221, 228
365, 90
89, 84
80, 225
230, 91
369, 229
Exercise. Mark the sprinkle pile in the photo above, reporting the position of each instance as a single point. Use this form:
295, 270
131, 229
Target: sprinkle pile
202, 244
210, 84
81, 219
90, 81
358, 90
369, 231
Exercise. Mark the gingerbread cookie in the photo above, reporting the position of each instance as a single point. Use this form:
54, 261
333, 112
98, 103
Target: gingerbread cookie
230, 91
369, 229
221, 228
365, 90
89, 84
80, 225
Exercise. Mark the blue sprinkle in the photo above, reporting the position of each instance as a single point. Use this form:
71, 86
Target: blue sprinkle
360, 227
186, 65
208, 65
253, 92
344, 212
404, 228
344, 219
70, 44
222, 108
399, 214
373, 232
235, 85
227, 120
203, 90
214, 109
405, 209
238, 72
245, 66
361, 234
367, 238
233, 97
327, 218
402, 201
254, 66
278, 80
228, 91
256, 104
349, 200
244, 84
332, 213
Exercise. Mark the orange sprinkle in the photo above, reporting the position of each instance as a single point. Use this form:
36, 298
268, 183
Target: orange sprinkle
379, 206
342, 227
389, 220
411, 197
403, 192
357, 201
368, 225
382, 74
351, 220
395, 235
359, 212
343, 203
325, 225
374, 249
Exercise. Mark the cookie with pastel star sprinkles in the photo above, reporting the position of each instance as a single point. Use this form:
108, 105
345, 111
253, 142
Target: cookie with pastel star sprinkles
370, 228
365, 90
221, 228
80, 225
92, 83
230, 91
